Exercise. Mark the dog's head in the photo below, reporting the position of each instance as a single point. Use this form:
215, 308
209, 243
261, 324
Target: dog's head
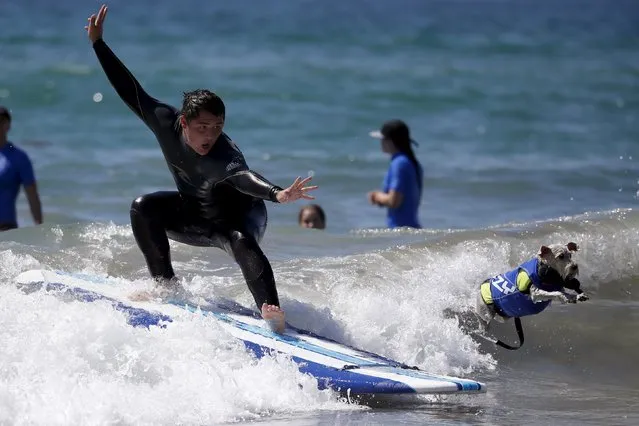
559, 258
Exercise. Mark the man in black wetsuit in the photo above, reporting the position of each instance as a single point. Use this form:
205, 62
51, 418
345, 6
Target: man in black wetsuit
219, 201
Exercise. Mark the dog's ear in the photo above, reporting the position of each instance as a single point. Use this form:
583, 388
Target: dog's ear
572, 246
545, 251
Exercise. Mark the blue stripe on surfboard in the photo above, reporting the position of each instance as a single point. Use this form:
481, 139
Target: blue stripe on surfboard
302, 344
146, 318
135, 316
341, 380
326, 376
240, 310
290, 340
398, 368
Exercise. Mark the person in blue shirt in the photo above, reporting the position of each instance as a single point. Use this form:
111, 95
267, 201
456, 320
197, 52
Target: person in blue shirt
402, 187
15, 171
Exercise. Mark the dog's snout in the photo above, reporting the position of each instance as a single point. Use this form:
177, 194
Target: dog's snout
574, 267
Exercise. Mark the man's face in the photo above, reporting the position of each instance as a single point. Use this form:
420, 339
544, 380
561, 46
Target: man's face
203, 131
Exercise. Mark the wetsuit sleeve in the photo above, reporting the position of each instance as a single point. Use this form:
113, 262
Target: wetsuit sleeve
128, 88
253, 184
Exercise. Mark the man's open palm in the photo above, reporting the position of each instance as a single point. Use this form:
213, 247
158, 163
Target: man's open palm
96, 24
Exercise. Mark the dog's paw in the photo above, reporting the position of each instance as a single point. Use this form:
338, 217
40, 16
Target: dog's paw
582, 297
568, 298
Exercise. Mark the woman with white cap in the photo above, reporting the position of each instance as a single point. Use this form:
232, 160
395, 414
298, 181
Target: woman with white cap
402, 186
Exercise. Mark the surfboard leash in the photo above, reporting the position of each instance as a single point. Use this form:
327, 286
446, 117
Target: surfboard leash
520, 334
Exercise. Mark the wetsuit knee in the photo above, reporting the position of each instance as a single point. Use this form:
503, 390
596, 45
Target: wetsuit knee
241, 245
163, 205
139, 205
236, 237
151, 216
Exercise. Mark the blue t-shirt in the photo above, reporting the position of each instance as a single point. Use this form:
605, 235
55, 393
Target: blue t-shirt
402, 176
15, 170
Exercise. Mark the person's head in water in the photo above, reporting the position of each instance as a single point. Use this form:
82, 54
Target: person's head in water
5, 124
312, 216
202, 119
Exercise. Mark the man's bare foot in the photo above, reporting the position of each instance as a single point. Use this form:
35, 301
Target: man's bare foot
274, 317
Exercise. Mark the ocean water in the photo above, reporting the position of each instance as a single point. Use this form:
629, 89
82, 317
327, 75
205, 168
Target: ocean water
527, 116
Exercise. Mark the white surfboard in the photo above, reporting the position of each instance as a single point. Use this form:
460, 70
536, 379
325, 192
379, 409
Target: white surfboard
334, 365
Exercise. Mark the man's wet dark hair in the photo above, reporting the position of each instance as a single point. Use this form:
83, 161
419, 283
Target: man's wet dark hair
202, 100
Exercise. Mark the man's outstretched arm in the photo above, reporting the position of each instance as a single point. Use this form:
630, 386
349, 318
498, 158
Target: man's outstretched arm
124, 83
253, 184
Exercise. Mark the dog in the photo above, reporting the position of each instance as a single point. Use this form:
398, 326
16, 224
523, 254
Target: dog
529, 288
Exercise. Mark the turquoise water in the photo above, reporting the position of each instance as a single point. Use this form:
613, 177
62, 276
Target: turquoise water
527, 115
523, 111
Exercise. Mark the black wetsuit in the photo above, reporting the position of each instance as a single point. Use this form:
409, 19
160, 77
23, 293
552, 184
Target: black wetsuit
219, 201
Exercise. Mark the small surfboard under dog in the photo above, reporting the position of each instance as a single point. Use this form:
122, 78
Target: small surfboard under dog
334, 365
